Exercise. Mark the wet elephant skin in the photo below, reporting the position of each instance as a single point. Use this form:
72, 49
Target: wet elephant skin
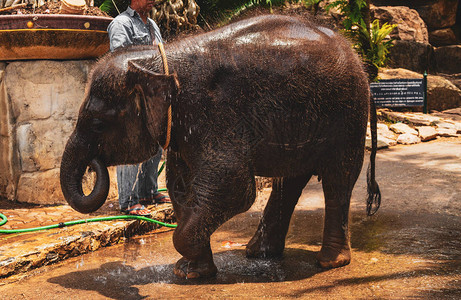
272, 96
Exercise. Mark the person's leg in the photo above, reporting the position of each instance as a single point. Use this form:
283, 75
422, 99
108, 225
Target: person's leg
148, 181
128, 189
151, 184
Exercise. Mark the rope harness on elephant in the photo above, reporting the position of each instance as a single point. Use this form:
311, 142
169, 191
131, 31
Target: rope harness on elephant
167, 72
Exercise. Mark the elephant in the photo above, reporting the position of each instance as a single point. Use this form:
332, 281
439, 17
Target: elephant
274, 96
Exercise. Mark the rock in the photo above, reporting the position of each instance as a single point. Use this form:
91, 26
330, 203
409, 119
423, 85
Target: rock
416, 119
415, 56
39, 104
41, 144
447, 132
448, 59
7, 157
422, 119
385, 73
453, 114
401, 128
441, 93
382, 127
38, 96
427, 133
47, 183
26, 137
386, 135
4, 116
384, 131
408, 139
453, 78
390, 142
382, 143
442, 37
445, 125
458, 128
410, 25
438, 13
7, 175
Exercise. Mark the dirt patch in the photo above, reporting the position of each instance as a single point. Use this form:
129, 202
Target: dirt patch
52, 8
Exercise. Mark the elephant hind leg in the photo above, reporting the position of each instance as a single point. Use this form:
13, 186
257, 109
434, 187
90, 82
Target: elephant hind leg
269, 239
337, 188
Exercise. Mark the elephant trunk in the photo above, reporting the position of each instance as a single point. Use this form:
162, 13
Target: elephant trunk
75, 159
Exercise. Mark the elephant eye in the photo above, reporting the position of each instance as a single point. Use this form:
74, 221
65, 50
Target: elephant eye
97, 125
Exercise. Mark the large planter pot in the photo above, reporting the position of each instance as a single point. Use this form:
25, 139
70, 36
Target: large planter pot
53, 37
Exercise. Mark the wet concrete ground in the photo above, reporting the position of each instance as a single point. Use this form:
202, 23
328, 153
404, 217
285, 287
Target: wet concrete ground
410, 249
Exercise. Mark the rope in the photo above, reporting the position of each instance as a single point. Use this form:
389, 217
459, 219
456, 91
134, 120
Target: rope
167, 72
164, 60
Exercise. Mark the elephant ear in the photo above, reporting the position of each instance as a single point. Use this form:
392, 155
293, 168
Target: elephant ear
154, 93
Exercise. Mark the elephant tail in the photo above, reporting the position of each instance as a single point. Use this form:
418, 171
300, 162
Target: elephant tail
374, 195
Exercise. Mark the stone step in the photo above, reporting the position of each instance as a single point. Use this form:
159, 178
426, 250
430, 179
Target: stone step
26, 251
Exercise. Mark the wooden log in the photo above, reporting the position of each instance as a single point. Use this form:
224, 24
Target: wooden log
13, 7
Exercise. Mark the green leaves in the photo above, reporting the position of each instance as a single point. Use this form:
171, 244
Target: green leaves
112, 7
352, 11
372, 44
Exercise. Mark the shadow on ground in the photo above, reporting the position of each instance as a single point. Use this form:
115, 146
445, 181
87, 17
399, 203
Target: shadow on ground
118, 280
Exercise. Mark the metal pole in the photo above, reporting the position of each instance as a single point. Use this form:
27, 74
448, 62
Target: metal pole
425, 92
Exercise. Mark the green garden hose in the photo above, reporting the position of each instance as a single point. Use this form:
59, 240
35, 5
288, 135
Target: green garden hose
70, 223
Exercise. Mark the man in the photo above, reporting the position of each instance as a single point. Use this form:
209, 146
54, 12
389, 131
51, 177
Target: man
137, 182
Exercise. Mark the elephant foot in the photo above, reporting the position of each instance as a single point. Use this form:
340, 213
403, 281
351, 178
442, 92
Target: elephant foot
187, 269
259, 248
330, 257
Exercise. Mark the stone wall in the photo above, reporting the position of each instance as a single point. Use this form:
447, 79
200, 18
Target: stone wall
439, 21
8, 161
39, 104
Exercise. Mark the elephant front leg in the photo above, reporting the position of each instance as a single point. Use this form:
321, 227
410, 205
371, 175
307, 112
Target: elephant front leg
212, 196
269, 239
193, 242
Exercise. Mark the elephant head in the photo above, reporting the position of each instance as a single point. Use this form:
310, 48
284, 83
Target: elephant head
121, 121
